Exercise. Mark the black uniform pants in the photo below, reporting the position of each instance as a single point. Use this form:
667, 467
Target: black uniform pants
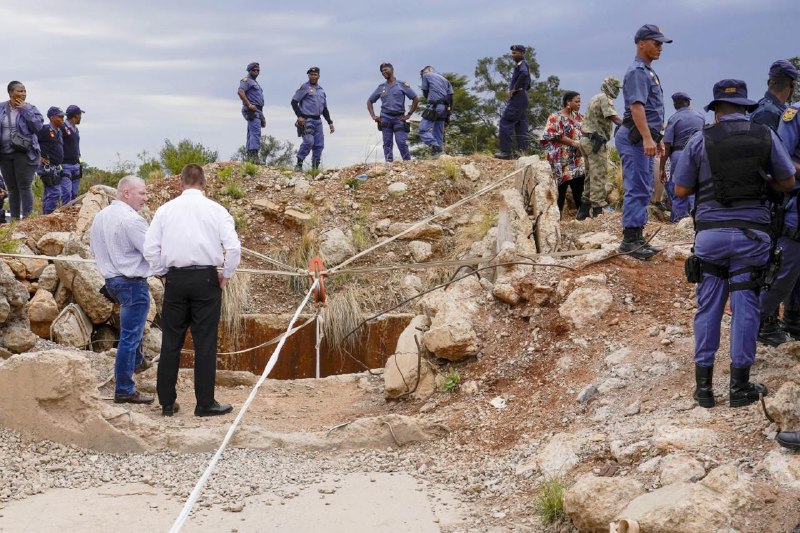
192, 299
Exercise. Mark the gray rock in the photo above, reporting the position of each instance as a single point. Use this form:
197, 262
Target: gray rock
19, 340
593, 502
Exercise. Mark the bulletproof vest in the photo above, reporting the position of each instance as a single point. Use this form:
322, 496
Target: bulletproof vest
738, 152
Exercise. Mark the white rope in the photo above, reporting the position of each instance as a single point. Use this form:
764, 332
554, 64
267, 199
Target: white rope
201, 483
426, 220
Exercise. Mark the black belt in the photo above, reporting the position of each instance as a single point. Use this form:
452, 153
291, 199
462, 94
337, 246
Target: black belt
677, 148
259, 107
193, 267
392, 114
315, 117
137, 278
72, 161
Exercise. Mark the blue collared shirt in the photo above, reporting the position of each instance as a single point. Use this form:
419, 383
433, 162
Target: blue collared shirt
312, 99
118, 242
72, 139
521, 77
51, 142
641, 85
769, 111
439, 88
252, 90
682, 125
393, 96
693, 170
789, 131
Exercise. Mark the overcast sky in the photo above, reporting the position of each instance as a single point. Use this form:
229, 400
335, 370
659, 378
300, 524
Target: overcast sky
146, 71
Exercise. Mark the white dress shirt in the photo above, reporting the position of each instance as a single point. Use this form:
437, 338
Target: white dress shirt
118, 242
192, 230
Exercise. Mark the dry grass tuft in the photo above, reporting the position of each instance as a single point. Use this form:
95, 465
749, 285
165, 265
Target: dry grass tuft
342, 315
235, 300
299, 257
476, 231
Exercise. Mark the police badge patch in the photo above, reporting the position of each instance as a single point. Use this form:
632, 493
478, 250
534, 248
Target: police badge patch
789, 114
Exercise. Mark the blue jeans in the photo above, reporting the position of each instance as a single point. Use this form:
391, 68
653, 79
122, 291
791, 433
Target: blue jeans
313, 140
637, 180
133, 296
734, 249
73, 172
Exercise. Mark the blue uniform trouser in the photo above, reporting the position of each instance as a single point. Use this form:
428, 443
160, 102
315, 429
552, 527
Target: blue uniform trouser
734, 249
394, 128
514, 123
133, 295
313, 140
681, 207
637, 180
58, 193
785, 280
73, 171
253, 129
432, 131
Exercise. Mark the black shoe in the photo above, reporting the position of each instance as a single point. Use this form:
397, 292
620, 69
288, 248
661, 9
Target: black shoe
315, 165
597, 211
503, 155
704, 392
214, 409
742, 391
789, 439
299, 166
583, 212
771, 333
136, 397
144, 365
252, 156
791, 323
169, 410
633, 244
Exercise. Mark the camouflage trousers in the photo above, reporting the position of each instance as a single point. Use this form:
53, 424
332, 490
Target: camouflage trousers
595, 190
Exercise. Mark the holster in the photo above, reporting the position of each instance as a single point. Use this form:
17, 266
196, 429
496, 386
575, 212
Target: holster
104, 291
429, 113
249, 114
407, 127
301, 129
598, 141
693, 268
50, 176
634, 137
774, 265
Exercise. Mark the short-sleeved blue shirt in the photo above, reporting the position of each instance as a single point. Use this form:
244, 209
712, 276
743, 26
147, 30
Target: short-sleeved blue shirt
682, 125
769, 111
641, 84
252, 90
312, 99
393, 96
438, 87
693, 170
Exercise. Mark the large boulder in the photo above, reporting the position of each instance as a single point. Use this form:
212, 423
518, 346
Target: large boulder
784, 406
13, 299
19, 340
452, 335
151, 342
84, 281
593, 502
536, 183
53, 243
336, 247
421, 251
42, 310
5, 309
584, 304
103, 339
26, 268
407, 370
95, 199
72, 327
48, 279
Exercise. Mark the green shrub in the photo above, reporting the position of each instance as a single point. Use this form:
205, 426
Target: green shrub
451, 170
7, 244
249, 169
451, 382
225, 174
550, 501
234, 190
361, 237
175, 157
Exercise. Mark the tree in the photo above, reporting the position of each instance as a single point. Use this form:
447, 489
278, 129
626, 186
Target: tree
272, 152
175, 157
796, 94
492, 76
467, 132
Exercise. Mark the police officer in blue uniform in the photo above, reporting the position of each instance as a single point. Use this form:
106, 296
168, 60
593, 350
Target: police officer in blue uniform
514, 121
57, 184
309, 104
72, 148
638, 139
252, 97
438, 92
393, 117
780, 86
680, 127
729, 166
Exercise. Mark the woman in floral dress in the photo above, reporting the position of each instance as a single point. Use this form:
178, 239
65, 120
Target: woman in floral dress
561, 143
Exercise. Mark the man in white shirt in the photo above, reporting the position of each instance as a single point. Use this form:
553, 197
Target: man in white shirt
188, 239
117, 243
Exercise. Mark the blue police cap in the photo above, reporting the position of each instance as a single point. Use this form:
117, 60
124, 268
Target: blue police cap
679, 97
733, 92
74, 110
313, 70
517, 48
251, 66
54, 111
387, 64
783, 68
650, 31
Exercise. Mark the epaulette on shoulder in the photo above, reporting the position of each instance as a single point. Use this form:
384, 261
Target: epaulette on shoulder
789, 114
245, 78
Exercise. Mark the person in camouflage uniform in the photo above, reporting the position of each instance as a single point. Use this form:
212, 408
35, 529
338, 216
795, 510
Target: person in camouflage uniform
594, 144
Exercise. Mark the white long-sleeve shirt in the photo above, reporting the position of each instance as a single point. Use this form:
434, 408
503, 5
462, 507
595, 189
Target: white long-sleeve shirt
192, 230
117, 242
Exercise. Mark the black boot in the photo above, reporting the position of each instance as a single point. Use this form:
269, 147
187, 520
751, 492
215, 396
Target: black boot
503, 155
789, 439
252, 156
742, 391
299, 166
597, 211
315, 165
704, 392
791, 323
633, 244
583, 211
653, 249
771, 333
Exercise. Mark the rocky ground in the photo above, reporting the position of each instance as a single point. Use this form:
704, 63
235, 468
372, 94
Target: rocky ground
578, 369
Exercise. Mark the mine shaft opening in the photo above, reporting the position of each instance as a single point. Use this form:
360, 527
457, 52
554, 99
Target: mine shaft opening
372, 345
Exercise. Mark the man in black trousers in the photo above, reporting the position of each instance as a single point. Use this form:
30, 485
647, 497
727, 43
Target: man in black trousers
188, 239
